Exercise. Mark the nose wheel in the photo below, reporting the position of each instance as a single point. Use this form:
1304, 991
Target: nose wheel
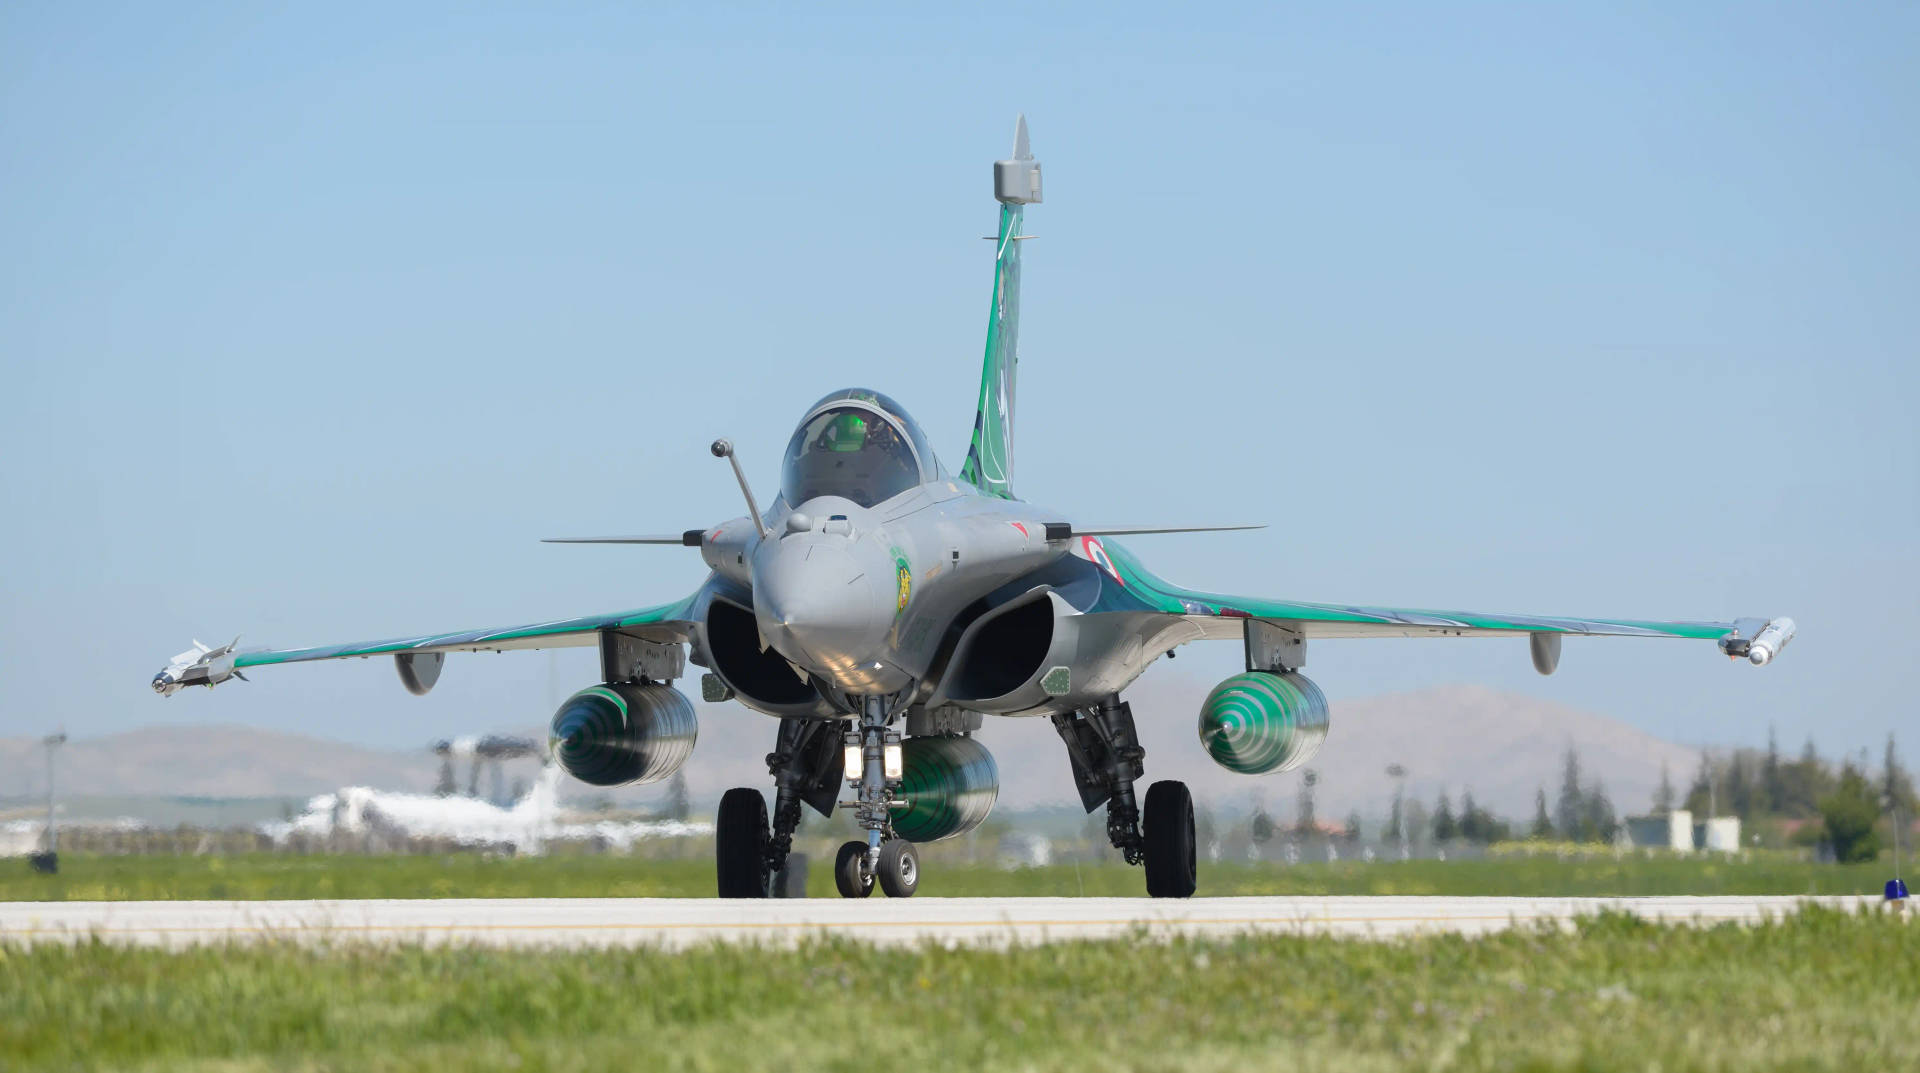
897, 870
850, 875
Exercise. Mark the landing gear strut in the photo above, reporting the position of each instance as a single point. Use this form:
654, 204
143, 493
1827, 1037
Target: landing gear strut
1107, 761
883, 856
752, 849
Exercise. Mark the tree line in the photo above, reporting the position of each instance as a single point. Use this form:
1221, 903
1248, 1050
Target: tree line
1847, 800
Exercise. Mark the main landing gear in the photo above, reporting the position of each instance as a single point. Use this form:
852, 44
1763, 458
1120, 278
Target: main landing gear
751, 846
1107, 760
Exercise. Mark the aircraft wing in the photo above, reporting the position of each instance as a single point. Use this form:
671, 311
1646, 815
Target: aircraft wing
210, 666
1756, 638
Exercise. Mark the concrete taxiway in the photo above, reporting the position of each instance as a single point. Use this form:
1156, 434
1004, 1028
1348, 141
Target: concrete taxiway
670, 922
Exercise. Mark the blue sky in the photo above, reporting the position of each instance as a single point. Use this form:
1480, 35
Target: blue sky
315, 319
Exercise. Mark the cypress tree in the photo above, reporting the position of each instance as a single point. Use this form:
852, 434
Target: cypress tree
1850, 812
1700, 796
1569, 809
1542, 823
1597, 822
1896, 786
1445, 828
1738, 798
1663, 793
1773, 786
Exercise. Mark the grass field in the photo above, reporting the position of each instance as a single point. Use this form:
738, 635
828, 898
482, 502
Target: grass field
1820, 990
87, 878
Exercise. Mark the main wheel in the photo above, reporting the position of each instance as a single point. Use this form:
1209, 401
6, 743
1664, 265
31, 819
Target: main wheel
1172, 866
899, 868
740, 837
847, 875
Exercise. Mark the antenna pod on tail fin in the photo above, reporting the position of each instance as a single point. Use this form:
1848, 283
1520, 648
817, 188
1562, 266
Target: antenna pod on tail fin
989, 465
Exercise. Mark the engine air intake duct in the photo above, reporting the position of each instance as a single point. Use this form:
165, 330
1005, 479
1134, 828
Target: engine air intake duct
950, 785
1263, 721
760, 676
620, 733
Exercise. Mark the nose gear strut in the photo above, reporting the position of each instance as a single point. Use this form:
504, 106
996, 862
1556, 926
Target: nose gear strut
884, 856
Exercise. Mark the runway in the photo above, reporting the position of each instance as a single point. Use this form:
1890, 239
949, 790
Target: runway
675, 923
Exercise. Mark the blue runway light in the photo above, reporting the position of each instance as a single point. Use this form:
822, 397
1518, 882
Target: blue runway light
1896, 890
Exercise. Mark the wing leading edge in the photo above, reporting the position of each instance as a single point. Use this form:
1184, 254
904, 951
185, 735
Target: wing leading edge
1757, 639
662, 622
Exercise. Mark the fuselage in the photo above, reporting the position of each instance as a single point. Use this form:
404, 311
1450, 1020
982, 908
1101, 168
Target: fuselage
865, 595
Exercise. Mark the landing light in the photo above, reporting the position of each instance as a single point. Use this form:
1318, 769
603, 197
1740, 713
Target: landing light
895, 763
856, 768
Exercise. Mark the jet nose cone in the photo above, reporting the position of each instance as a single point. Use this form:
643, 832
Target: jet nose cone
820, 605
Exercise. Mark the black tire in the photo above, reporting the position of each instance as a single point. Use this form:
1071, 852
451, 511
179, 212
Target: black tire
1172, 865
899, 868
740, 837
846, 871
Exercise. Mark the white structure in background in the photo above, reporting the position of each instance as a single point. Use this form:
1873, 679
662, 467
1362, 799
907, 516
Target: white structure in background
1720, 834
1672, 830
21, 837
527, 825
1678, 832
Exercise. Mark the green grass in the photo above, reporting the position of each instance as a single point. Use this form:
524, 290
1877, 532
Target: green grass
1819, 990
93, 878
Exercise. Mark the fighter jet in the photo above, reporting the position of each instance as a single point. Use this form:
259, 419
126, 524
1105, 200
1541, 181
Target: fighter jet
883, 607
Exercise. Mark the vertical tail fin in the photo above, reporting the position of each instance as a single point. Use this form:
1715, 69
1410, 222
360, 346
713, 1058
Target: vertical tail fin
989, 465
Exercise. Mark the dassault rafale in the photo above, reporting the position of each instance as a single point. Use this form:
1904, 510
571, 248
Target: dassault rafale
883, 607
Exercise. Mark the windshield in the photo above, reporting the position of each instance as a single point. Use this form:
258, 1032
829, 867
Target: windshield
850, 451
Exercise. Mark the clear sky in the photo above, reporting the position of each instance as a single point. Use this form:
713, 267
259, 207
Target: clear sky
315, 319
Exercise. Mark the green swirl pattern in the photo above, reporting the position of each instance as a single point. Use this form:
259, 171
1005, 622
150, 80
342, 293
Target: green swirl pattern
611, 735
950, 785
1259, 722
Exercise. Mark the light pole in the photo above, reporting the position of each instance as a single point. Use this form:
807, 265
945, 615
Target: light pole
1896, 887
1398, 773
49, 861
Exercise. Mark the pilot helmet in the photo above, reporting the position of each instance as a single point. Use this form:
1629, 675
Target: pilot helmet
846, 431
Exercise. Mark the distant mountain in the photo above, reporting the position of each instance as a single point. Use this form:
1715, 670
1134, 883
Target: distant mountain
210, 761
1498, 745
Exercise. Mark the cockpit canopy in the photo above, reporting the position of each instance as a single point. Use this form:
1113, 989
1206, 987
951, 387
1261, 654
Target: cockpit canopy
858, 445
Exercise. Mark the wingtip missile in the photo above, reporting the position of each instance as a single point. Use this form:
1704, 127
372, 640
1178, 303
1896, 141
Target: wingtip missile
1759, 641
197, 666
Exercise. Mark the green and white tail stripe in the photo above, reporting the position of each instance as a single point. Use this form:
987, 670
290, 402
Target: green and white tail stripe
989, 465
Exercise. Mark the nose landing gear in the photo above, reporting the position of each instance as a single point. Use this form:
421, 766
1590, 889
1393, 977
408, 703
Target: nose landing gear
810, 762
899, 868
883, 856
850, 875
897, 871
